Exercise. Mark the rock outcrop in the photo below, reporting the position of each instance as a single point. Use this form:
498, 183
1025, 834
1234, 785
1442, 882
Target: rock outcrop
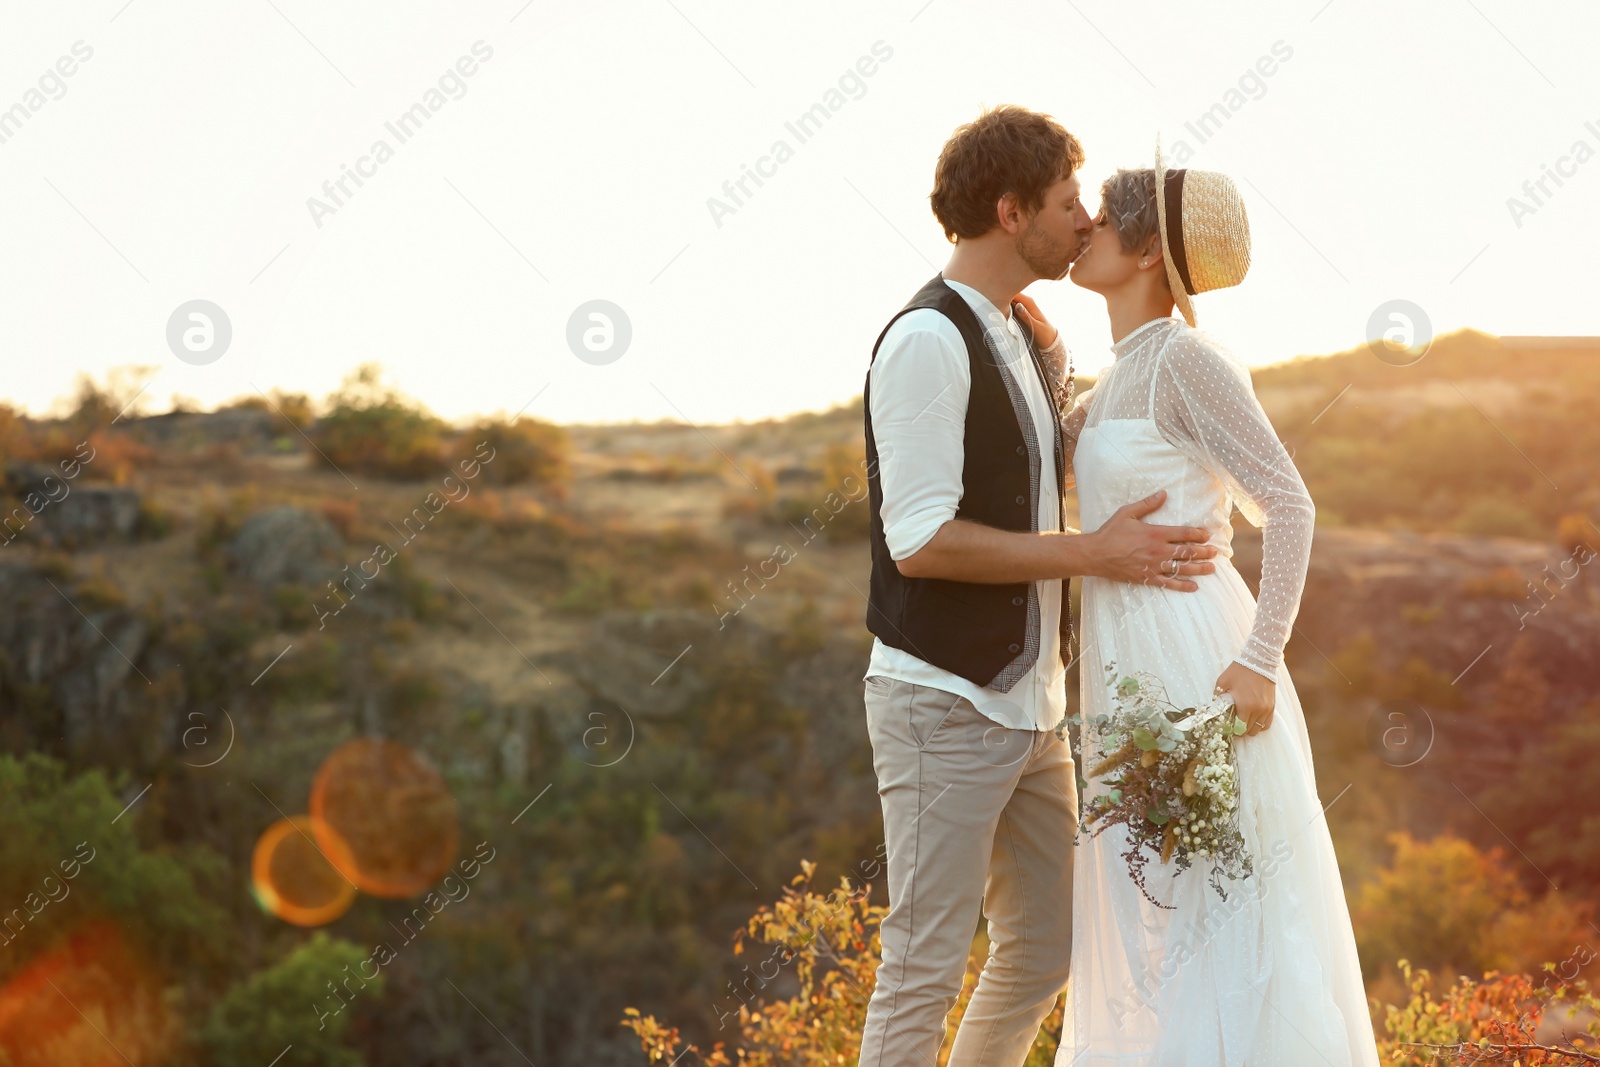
286, 544
42, 505
64, 659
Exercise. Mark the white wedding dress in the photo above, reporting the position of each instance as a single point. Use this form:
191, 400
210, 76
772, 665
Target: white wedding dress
1268, 977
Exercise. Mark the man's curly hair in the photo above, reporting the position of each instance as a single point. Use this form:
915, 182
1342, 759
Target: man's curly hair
1007, 149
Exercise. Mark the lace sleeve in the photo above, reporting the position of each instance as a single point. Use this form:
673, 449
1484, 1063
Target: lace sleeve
1055, 362
1072, 422
1073, 412
1204, 404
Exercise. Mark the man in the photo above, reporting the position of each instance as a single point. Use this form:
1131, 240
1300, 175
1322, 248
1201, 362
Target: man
966, 684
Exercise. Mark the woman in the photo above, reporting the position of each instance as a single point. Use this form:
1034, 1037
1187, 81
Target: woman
1268, 976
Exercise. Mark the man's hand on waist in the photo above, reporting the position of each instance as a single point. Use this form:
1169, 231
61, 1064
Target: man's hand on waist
1128, 549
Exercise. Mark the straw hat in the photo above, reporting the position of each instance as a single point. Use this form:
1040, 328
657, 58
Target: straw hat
1205, 236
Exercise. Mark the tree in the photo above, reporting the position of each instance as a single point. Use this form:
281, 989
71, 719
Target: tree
103, 939
66, 860
1459, 910
288, 1006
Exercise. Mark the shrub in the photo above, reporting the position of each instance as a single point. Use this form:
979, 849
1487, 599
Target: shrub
296, 407
1459, 910
371, 429
116, 456
97, 406
831, 941
48, 818
844, 470
295, 606
275, 1009
344, 514
155, 521
416, 591
592, 590
309, 674
218, 521
1493, 1021
16, 437
1502, 583
526, 451
99, 591
837, 506
1497, 517
753, 496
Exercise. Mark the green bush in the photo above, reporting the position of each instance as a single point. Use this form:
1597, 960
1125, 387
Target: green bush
66, 829
371, 429
279, 1008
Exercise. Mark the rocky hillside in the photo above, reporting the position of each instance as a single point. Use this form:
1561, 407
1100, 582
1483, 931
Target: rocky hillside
641, 678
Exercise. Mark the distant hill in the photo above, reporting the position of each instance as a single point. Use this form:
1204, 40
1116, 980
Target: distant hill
1481, 435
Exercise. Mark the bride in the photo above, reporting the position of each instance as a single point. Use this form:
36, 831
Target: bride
1268, 976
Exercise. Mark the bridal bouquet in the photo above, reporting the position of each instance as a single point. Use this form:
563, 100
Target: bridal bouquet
1170, 778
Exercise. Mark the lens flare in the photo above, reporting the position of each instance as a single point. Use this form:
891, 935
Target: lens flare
384, 817
293, 880
88, 1002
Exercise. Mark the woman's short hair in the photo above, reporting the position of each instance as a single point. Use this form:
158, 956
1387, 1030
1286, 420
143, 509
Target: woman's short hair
1128, 199
1007, 149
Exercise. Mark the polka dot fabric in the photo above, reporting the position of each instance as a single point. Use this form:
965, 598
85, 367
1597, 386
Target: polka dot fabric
1271, 976
1200, 398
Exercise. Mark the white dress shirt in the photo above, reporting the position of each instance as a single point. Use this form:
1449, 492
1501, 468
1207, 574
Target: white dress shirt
920, 383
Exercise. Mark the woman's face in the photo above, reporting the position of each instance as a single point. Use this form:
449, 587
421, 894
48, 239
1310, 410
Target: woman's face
1104, 266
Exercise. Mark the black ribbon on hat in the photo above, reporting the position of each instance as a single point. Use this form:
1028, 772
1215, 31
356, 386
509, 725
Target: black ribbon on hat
1173, 192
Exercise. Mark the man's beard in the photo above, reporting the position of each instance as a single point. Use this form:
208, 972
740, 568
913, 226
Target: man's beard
1045, 256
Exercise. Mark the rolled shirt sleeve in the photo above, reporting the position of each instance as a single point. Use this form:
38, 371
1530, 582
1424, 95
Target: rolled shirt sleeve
920, 383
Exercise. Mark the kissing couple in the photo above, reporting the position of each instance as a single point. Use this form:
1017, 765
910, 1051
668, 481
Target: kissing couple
973, 436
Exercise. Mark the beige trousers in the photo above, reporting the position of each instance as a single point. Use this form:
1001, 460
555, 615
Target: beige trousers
977, 817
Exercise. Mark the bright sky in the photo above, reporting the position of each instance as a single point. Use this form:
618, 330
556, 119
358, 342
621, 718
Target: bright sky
574, 163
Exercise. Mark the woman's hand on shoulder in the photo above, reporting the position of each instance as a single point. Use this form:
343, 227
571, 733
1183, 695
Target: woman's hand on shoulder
1044, 334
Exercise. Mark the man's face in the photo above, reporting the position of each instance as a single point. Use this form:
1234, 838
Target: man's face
1057, 233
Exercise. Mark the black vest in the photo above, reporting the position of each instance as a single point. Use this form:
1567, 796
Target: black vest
971, 629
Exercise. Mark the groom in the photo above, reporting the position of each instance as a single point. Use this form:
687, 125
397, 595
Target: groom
969, 562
